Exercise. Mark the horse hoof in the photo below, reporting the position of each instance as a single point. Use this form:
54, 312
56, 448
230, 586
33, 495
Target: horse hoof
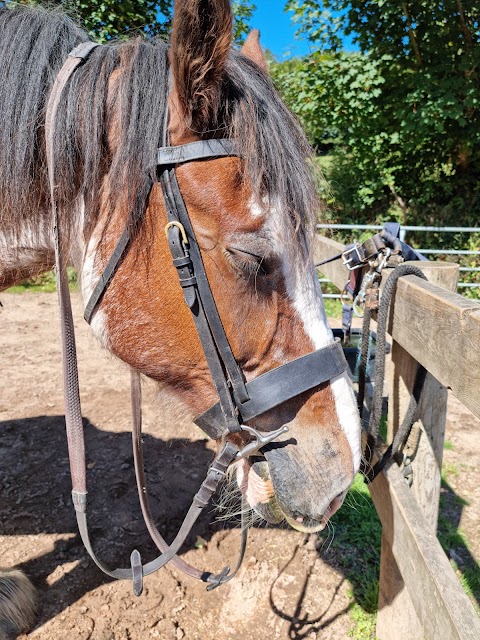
18, 603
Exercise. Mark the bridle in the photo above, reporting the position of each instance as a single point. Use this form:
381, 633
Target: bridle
238, 401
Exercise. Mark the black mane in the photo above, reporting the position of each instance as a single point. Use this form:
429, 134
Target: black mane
35, 42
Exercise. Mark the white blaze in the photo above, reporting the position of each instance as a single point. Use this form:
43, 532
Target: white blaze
308, 302
303, 289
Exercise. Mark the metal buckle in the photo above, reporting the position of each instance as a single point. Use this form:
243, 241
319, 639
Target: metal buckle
179, 225
348, 260
261, 439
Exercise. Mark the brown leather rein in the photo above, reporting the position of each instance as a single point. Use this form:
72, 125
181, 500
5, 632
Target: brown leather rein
238, 403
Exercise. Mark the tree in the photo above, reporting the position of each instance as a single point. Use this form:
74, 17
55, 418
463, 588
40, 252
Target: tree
405, 111
106, 19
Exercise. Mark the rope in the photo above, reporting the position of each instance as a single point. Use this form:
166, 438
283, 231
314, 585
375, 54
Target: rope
376, 413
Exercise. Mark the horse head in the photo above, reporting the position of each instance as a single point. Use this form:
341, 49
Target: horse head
253, 218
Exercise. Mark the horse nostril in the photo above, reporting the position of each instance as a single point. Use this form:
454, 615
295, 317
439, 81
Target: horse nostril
335, 505
298, 517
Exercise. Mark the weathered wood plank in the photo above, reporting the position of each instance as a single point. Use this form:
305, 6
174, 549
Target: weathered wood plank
427, 458
425, 449
440, 603
336, 271
441, 330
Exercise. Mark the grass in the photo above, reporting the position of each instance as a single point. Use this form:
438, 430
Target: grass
356, 549
45, 283
449, 469
333, 307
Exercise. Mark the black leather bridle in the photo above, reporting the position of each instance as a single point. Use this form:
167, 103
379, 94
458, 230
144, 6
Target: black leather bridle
238, 401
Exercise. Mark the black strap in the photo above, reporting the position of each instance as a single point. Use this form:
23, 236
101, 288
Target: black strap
177, 211
183, 263
279, 385
109, 271
200, 150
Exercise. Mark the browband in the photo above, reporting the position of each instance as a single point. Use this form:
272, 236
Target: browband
279, 385
200, 150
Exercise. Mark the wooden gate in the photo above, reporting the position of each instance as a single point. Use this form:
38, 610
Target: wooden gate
420, 596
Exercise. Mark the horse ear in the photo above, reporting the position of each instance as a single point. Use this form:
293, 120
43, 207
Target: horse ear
202, 35
252, 49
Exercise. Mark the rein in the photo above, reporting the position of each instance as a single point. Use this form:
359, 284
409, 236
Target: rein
238, 402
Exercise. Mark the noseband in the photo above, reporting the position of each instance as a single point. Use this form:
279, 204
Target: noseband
238, 401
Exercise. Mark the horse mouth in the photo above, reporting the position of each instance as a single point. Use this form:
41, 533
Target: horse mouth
254, 480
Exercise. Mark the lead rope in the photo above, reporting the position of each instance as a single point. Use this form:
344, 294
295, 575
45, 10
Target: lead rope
376, 412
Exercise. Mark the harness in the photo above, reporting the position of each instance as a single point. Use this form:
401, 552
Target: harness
238, 401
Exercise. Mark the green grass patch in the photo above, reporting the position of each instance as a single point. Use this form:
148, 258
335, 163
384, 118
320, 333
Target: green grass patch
356, 547
449, 470
44, 283
448, 445
333, 307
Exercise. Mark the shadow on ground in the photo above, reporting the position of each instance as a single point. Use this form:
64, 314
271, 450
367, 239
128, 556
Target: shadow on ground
35, 488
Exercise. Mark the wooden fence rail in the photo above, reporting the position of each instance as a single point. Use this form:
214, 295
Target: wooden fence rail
420, 595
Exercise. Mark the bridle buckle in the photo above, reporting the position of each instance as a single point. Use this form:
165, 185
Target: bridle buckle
352, 258
179, 225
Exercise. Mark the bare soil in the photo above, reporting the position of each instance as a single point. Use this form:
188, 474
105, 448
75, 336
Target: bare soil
287, 588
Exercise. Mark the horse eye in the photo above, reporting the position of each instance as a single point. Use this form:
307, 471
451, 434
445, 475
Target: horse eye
249, 263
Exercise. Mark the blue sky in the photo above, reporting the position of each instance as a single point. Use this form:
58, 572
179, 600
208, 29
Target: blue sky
278, 30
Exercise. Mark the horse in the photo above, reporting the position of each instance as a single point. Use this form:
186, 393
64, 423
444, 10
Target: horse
253, 213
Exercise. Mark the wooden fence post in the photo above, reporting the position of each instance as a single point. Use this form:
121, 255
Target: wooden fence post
396, 614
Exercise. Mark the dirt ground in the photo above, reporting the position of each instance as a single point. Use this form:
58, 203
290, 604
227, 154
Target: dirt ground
287, 588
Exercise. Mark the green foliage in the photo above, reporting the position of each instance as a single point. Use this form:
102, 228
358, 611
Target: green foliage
107, 19
400, 120
243, 12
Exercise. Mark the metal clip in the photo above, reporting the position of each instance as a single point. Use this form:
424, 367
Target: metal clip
383, 260
359, 302
261, 439
407, 471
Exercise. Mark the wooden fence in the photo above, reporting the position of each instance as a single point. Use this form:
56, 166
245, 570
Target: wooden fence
420, 596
